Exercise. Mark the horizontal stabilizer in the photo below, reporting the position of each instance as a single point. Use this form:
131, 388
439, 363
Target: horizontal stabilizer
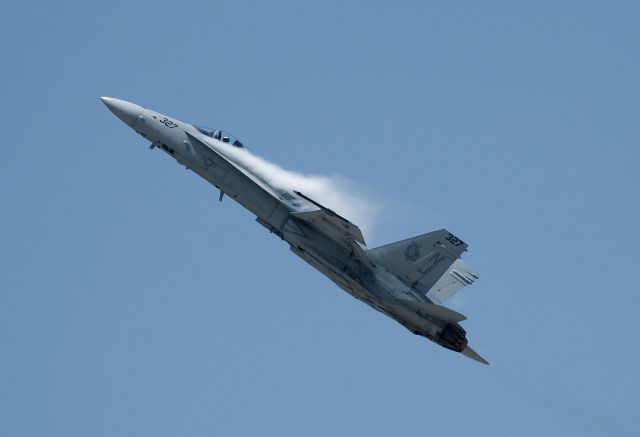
468, 352
435, 311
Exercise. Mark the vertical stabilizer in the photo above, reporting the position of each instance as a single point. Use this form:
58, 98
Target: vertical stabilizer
420, 261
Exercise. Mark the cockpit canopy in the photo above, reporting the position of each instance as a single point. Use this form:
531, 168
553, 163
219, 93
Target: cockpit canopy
220, 135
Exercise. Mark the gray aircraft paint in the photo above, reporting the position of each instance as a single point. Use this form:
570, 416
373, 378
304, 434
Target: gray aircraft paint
405, 280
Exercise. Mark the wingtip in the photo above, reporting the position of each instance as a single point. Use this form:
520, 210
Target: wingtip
468, 352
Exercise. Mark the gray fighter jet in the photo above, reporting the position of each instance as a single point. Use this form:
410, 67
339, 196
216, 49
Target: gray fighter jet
406, 280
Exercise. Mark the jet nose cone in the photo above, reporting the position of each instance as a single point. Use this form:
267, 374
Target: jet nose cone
125, 111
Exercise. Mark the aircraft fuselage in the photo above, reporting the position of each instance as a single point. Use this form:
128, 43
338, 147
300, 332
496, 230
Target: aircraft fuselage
214, 158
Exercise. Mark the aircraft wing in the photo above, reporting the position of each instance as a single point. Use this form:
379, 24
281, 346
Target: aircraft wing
331, 224
223, 167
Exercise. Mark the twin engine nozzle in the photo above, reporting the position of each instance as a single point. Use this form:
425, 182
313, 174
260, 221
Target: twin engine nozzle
453, 337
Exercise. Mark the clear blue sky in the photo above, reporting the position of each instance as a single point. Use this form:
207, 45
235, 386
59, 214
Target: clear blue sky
132, 303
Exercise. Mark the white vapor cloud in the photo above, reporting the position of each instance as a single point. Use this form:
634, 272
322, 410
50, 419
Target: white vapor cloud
334, 192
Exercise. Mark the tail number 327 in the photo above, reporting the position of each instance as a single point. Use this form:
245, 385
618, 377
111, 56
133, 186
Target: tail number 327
454, 240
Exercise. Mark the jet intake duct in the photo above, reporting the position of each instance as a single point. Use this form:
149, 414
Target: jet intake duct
453, 337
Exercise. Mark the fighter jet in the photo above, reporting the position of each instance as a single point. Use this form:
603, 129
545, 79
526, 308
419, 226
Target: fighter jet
406, 280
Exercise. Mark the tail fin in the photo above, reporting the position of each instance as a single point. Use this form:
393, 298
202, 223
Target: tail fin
457, 276
421, 261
